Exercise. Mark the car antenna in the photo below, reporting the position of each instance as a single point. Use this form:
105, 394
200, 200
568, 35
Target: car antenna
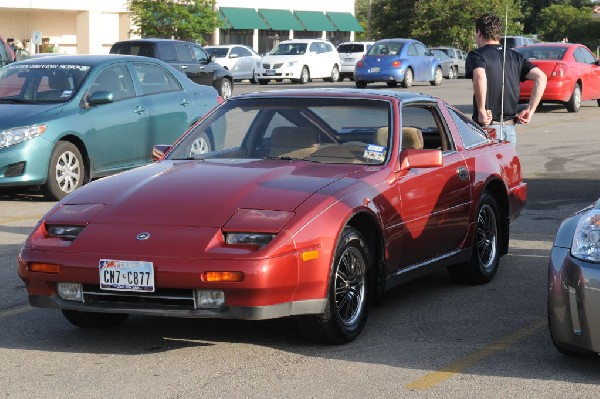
503, 73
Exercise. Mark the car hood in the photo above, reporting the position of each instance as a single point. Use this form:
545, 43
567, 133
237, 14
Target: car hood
205, 193
15, 115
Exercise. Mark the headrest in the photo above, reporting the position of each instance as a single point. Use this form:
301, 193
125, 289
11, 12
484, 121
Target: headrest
381, 136
412, 138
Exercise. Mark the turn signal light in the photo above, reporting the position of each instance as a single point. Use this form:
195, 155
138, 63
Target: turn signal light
212, 277
44, 268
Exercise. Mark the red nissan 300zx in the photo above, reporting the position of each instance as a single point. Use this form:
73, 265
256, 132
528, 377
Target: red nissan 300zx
304, 203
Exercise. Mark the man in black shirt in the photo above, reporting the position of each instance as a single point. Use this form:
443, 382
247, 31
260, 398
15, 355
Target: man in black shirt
484, 66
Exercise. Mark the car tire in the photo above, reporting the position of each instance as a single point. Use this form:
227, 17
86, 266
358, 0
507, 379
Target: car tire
408, 78
66, 171
253, 79
263, 82
335, 75
202, 145
225, 88
391, 84
360, 84
451, 74
348, 295
438, 77
94, 320
574, 103
485, 256
304, 76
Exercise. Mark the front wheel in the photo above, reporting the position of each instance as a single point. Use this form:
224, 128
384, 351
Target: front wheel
574, 103
253, 79
201, 145
408, 78
94, 320
66, 171
347, 298
438, 77
485, 256
225, 88
304, 76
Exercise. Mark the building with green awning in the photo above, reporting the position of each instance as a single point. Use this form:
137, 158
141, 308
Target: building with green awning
344, 21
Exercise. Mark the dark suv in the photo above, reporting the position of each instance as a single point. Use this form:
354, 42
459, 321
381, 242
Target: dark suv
187, 57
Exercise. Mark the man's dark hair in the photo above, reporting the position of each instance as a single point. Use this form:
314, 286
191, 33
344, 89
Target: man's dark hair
489, 26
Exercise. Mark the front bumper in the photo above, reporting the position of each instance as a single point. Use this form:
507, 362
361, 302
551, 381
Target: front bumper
573, 301
283, 72
25, 163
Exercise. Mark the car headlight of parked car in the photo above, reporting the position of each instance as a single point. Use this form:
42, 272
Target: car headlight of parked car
17, 135
258, 239
586, 242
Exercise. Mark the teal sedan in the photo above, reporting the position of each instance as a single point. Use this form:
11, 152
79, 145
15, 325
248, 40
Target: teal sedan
65, 120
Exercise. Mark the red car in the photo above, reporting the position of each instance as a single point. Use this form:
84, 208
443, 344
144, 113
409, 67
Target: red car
317, 203
572, 69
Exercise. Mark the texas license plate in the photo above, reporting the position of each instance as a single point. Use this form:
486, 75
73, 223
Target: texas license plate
126, 275
270, 72
375, 69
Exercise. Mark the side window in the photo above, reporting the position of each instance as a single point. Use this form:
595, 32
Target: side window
421, 50
314, 47
155, 79
199, 54
470, 133
115, 79
166, 52
412, 50
184, 52
241, 52
583, 55
424, 128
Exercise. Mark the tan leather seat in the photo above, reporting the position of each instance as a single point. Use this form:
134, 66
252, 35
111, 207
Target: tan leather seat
381, 136
293, 141
412, 138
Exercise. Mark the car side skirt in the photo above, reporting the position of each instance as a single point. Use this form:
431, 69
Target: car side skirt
295, 308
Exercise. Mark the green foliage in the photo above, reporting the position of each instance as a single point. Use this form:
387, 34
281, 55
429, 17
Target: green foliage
565, 21
177, 19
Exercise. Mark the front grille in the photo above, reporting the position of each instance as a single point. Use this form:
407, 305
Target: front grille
180, 299
274, 66
267, 66
16, 169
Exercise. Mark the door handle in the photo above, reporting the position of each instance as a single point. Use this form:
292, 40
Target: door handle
463, 173
139, 110
184, 102
184, 67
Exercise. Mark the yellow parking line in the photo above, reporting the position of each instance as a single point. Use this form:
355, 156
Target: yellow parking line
14, 311
437, 377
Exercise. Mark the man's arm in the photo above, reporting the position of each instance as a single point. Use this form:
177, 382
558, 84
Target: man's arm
539, 85
480, 90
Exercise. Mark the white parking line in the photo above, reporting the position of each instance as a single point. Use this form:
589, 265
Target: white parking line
15, 311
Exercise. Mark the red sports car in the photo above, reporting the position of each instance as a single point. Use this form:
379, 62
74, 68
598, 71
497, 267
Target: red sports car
572, 69
316, 203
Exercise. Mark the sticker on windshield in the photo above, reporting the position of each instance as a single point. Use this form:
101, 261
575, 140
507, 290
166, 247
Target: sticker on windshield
375, 153
49, 66
66, 94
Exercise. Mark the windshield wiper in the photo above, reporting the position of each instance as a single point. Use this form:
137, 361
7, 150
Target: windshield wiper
286, 158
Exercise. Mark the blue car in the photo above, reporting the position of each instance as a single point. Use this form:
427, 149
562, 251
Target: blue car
65, 120
396, 61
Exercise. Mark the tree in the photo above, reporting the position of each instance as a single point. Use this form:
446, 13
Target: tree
557, 22
391, 18
177, 19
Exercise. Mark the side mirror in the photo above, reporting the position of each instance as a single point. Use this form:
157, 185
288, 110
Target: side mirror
211, 58
159, 151
100, 97
420, 159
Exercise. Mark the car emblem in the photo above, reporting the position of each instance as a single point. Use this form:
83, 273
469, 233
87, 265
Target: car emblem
143, 236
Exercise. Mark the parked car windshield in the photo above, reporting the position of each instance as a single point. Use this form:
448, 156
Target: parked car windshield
542, 52
311, 129
40, 83
289, 49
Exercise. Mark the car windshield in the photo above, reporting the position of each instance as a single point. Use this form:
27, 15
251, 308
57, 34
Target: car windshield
40, 83
315, 129
387, 48
217, 52
542, 52
289, 49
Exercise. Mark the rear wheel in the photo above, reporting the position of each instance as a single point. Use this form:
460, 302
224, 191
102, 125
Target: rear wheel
485, 255
347, 306
408, 78
66, 171
94, 320
335, 75
574, 103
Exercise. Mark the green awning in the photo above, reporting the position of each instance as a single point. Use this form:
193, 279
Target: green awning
243, 18
345, 22
223, 24
315, 21
280, 19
